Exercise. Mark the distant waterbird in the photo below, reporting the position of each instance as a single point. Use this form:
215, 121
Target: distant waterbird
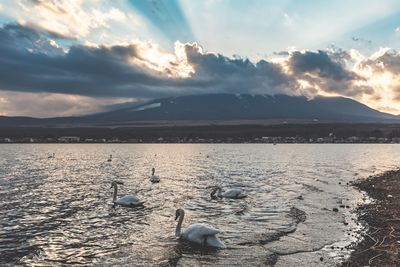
52, 156
198, 233
231, 193
126, 201
154, 178
110, 158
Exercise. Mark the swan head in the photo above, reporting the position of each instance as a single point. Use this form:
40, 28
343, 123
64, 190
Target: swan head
115, 183
216, 188
178, 213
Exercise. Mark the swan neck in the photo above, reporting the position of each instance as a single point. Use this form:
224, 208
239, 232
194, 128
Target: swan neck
219, 191
115, 192
179, 225
213, 192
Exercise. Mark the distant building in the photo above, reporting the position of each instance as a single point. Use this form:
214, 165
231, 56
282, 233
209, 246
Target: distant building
353, 139
69, 139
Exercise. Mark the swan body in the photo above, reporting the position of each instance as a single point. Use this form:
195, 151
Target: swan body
231, 193
154, 178
199, 233
127, 201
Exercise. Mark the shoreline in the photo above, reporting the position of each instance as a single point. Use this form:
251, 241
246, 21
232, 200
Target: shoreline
380, 245
211, 133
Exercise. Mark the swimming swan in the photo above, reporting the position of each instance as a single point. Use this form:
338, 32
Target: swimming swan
231, 193
199, 233
128, 200
153, 178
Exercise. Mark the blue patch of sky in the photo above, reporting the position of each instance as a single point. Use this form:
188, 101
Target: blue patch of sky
166, 17
381, 33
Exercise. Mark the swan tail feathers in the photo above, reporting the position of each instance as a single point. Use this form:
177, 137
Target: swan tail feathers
215, 242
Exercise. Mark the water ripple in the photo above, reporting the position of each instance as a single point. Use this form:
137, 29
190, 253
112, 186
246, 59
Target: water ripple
59, 211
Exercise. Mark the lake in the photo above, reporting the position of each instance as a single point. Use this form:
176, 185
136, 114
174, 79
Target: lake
59, 211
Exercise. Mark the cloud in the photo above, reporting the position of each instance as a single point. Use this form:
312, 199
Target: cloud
382, 72
30, 62
385, 60
49, 104
23, 38
237, 75
126, 70
326, 72
71, 19
33, 63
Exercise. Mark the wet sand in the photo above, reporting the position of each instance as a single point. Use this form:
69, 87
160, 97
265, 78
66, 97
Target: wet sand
381, 217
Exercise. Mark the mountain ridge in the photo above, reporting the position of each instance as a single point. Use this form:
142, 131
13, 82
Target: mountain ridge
225, 107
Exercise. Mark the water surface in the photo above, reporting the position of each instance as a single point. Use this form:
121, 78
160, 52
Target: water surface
59, 211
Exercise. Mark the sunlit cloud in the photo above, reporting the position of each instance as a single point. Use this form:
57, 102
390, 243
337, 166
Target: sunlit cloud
175, 65
94, 50
143, 70
73, 19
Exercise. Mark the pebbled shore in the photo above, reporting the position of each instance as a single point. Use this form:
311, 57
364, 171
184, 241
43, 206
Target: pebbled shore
381, 243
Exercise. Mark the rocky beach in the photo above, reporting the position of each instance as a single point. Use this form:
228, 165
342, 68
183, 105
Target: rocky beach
381, 217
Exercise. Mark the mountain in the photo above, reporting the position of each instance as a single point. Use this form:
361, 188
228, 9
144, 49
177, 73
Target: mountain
225, 107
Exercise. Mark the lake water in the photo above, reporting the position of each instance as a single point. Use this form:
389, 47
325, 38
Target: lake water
59, 211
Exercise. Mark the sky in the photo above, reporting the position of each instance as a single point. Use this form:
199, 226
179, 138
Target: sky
73, 57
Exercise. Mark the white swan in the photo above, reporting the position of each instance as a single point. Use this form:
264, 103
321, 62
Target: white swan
110, 158
153, 178
199, 233
231, 193
128, 200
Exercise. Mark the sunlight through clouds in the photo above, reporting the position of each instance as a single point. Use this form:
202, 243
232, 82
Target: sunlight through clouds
91, 50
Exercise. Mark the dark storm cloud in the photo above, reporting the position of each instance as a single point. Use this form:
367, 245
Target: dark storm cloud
321, 64
327, 72
237, 74
30, 62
